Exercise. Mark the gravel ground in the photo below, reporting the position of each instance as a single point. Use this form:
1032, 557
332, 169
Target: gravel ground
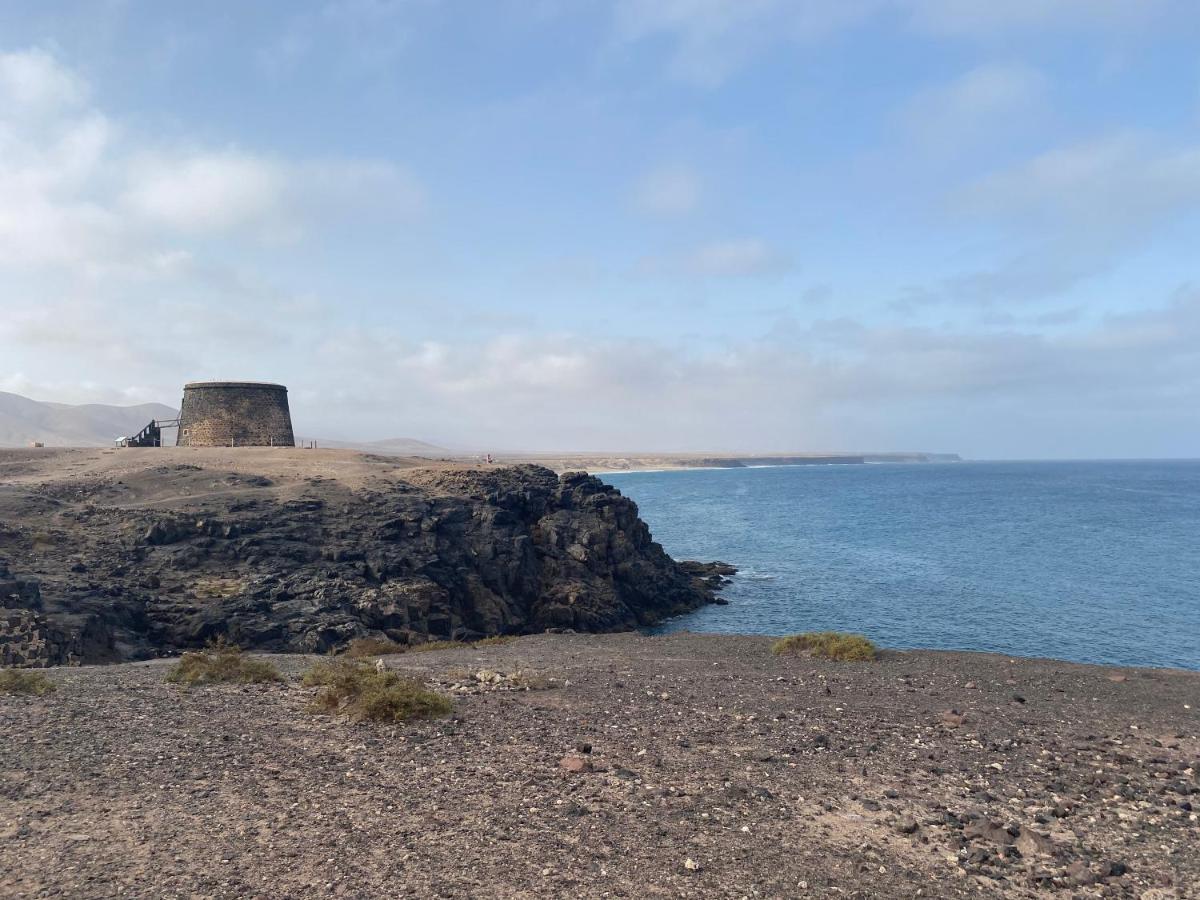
677, 766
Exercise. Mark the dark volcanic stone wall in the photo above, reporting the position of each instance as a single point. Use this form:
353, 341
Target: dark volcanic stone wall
231, 413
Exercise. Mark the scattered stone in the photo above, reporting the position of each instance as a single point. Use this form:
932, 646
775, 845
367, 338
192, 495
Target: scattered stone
989, 831
575, 764
907, 825
1031, 843
1114, 870
1080, 874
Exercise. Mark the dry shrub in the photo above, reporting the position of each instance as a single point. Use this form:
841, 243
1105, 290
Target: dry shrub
495, 640
22, 681
365, 694
221, 663
214, 587
363, 647
834, 645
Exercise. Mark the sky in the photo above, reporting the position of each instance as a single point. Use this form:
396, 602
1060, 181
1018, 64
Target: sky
616, 225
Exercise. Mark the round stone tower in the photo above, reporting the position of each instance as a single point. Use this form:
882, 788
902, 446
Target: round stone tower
235, 413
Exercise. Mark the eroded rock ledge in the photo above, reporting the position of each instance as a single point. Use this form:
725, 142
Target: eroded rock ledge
442, 554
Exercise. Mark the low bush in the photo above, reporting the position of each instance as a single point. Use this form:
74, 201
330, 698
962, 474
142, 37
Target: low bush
23, 681
221, 664
834, 645
365, 694
363, 647
494, 640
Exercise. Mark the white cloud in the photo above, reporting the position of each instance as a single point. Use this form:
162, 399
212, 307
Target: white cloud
988, 103
1121, 181
669, 191
1078, 210
747, 256
205, 191
734, 258
75, 190
834, 384
376, 31
713, 38
33, 82
986, 18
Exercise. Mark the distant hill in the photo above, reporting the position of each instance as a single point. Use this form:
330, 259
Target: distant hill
23, 421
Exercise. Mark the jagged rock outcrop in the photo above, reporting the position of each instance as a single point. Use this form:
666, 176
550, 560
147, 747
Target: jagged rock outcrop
451, 554
28, 637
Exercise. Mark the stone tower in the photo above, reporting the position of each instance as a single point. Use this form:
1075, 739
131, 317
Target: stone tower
235, 413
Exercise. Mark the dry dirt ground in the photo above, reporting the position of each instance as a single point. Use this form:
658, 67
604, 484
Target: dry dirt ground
705, 767
290, 465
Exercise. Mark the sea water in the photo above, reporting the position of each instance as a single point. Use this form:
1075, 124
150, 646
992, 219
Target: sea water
1087, 561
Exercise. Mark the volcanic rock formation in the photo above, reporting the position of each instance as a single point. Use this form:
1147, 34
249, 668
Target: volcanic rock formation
445, 554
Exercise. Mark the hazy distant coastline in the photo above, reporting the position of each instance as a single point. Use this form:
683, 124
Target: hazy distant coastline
598, 463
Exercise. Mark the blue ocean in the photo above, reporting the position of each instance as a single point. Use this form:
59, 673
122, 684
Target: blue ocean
1094, 562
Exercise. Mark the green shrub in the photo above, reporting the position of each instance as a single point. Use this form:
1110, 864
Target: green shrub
363, 647
367, 695
827, 645
22, 681
221, 663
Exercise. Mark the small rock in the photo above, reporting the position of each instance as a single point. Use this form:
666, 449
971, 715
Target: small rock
691, 865
1114, 869
988, 831
575, 764
1031, 843
1079, 873
907, 825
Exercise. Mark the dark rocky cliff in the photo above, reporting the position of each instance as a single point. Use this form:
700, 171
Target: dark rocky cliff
453, 554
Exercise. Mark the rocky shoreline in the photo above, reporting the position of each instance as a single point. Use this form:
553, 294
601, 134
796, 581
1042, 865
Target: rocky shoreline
118, 555
675, 766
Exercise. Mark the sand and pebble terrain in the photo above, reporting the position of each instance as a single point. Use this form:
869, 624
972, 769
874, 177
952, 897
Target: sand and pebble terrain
673, 766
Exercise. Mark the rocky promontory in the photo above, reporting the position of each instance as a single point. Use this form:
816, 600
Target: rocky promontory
115, 555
